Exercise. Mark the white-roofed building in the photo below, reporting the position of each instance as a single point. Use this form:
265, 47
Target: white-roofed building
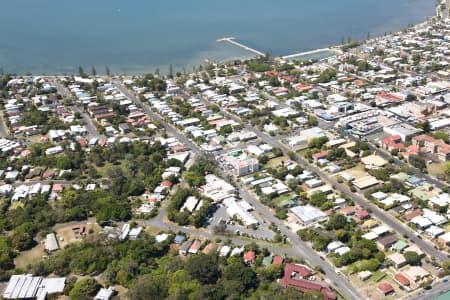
342, 250
440, 200
27, 286
434, 231
308, 214
379, 196
421, 222
381, 230
371, 236
434, 218
224, 251
216, 188
105, 294
234, 209
190, 204
51, 243
397, 259
334, 245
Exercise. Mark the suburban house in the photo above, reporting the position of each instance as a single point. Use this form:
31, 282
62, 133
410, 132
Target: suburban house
293, 277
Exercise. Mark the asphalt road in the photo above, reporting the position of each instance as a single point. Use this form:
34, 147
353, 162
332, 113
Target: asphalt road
92, 130
300, 248
357, 198
63, 91
435, 291
169, 128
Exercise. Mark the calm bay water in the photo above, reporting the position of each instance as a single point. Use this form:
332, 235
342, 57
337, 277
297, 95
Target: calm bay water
137, 36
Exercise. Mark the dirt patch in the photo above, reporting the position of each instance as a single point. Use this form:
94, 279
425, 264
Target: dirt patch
31, 256
71, 232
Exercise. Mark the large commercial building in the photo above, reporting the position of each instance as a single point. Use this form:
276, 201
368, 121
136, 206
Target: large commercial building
308, 214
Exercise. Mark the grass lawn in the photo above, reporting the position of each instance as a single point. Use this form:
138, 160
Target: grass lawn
436, 169
377, 276
276, 162
104, 169
447, 228
281, 198
358, 171
16, 204
31, 256
302, 152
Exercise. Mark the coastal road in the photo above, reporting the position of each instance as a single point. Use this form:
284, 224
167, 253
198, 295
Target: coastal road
357, 198
435, 291
301, 249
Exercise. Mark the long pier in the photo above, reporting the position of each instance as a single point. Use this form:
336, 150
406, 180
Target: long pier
310, 52
232, 41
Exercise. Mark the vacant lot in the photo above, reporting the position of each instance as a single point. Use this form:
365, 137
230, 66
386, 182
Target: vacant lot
29, 257
66, 235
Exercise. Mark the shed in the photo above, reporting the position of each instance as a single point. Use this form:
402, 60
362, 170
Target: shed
364, 275
105, 294
51, 243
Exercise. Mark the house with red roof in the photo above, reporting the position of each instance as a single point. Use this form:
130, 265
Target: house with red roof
48, 174
293, 277
166, 183
359, 83
57, 188
102, 142
362, 214
385, 288
393, 142
178, 149
277, 260
320, 155
402, 280
348, 211
209, 248
280, 91
83, 143
249, 257
25, 153
301, 88
411, 150
273, 73
387, 98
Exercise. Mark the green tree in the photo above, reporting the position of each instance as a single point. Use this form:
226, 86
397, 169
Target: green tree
412, 258
84, 288
240, 272
149, 287
426, 127
22, 241
204, 268
312, 121
63, 163
81, 71
417, 162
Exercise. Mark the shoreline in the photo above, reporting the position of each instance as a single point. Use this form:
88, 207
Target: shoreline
200, 60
